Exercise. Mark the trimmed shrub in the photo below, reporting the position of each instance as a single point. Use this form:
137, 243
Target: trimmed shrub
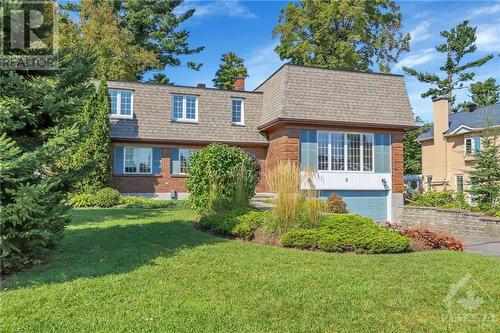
82, 200
220, 177
348, 232
434, 240
302, 239
335, 204
240, 222
107, 197
444, 199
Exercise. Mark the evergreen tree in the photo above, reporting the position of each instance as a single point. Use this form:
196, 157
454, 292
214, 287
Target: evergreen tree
160, 78
460, 42
231, 68
39, 126
342, 34
412, 149
485, 93
485, 177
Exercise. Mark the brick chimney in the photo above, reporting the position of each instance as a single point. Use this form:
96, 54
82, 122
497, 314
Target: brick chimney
239, 83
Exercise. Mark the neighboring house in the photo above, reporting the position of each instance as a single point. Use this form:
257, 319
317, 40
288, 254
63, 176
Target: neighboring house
448, 147
346, 125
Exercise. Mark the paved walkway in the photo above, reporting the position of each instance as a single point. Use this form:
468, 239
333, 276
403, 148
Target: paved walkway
483, 246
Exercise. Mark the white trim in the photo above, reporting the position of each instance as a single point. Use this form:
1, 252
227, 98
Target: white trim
137, 172
184, 118
118, 114
361, 149
242, 122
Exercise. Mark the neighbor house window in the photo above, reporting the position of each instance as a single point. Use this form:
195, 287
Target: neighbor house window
184, 155
459, 182
185, 108
237, 111
138, 160
428, 181
121, 103
469, 144
345, 151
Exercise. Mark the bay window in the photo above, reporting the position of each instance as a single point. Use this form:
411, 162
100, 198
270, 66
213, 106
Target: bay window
339, 151
138, 160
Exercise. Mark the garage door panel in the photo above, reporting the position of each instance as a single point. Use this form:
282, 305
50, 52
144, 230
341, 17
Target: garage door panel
372, 204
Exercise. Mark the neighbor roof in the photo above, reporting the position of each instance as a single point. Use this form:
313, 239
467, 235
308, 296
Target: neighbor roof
471, 121
319, 94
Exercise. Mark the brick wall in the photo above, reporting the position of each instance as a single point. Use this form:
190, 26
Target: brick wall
283, 145
166, 182
457, 223
397, 163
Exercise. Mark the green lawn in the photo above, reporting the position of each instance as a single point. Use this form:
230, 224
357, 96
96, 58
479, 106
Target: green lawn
132, 270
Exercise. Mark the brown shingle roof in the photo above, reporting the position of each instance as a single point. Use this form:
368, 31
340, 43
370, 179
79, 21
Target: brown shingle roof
302, 93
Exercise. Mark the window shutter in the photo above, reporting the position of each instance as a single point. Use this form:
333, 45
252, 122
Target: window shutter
308, 149
118, 160
477, 143
174, 161
157, 154
382, 153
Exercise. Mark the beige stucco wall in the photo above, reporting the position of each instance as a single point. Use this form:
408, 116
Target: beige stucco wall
444, 170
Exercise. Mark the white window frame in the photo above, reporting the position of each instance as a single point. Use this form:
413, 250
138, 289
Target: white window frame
456, 183
119, 104
191, 151
137, 172
361, 152
242, 122
472, 146
428, 182
184, 118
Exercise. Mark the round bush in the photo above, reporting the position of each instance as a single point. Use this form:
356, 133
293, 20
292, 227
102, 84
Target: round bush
107, 197
335, 204
220, 177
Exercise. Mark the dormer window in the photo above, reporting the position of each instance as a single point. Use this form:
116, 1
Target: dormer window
237, 111
121, 103
185, 108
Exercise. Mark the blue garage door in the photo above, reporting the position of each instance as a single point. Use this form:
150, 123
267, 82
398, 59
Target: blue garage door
367, 203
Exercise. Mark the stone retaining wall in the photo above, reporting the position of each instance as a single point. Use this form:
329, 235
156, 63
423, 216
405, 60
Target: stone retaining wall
457, 223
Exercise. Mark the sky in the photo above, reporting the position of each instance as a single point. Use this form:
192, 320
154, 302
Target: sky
245, 27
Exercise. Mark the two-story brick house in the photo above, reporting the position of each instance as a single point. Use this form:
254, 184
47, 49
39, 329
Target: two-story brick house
348, 126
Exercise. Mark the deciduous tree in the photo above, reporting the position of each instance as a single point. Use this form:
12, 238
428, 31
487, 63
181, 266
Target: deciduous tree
343, 34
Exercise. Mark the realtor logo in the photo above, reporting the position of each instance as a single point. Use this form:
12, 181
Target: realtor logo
28, 36
466, 301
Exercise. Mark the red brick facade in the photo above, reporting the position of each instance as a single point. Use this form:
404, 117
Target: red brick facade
166, 182
397, 163
284, 144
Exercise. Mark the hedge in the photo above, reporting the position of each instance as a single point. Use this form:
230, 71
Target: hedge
347, 232
240, 222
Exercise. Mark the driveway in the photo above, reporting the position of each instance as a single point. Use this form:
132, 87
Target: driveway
483, 246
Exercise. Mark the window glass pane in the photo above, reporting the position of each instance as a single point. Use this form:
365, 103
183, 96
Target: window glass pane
126, 103
184, 155
460, 183
353, 152
190, 107
236, 110
322, 151
143, 159
113, 95
468, 146
367, 152
337, 151
177, 111
130, 160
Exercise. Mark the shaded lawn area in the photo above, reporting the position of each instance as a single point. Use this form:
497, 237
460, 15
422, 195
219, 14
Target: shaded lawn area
137, 270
